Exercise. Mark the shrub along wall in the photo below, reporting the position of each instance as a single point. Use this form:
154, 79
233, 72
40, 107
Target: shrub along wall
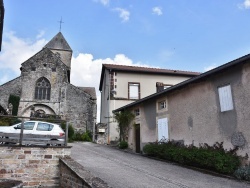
214, 157
33, 166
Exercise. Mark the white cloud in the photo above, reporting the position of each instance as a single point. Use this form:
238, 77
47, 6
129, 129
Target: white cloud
157, 11
4, 78
123, 13
165, 54
245, 5
210, 67
40, 34
104, 2
17, 50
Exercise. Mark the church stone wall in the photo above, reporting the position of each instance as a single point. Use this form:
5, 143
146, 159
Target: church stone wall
12, 87
65, 56
44, 64
79, 109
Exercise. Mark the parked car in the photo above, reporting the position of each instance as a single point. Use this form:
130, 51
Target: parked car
38, 128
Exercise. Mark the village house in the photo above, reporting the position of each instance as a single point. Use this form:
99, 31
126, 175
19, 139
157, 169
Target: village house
211, 107
121, 85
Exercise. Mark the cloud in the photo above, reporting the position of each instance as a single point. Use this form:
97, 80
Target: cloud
245, 5
123, 14
104, 2
17, 50
40, 34
157, 11
210, 67
164, 55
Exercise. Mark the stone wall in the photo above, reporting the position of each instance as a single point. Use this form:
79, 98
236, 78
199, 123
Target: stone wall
34, 166
72, 174
12, 87
81, 107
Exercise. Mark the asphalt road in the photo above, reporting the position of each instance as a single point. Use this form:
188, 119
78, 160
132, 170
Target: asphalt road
126, 170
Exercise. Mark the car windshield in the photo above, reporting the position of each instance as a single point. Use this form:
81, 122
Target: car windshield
27, 125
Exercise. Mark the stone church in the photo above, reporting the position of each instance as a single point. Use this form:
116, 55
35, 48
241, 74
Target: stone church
44, 88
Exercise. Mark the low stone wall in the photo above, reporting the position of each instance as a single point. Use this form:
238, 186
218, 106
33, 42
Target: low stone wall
72, 174
34, 166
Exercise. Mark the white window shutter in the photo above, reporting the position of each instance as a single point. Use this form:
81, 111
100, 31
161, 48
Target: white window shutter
162, 129
225, 97
134, 91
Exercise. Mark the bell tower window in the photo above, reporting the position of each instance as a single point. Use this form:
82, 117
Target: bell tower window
42, 90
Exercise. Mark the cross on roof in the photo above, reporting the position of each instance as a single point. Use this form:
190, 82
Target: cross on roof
60, 24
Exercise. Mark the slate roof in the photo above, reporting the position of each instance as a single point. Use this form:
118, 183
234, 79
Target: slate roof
90, 91
185, 83
58, 42
146, 70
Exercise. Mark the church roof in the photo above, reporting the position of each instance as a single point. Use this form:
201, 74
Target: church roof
90, 91
58, 42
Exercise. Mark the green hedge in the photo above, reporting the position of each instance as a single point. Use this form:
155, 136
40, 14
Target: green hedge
214, 157
123, 145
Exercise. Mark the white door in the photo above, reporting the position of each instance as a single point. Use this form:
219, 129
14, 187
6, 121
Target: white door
162, 129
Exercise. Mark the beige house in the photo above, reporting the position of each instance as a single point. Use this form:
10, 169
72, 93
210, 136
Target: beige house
212, 107
127, 84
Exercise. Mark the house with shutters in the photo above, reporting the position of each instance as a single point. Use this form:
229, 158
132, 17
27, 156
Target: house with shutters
121, 85
211, 107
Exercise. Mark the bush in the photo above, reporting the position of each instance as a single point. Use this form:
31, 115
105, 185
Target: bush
82, 136
243, 173
5, 121
214, 157
123, 145
86, 137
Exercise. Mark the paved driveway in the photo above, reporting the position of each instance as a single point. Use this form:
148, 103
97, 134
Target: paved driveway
125, 170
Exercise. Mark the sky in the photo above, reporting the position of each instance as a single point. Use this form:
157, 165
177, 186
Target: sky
191, 35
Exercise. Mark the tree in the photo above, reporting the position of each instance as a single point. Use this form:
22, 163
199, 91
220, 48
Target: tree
124, 118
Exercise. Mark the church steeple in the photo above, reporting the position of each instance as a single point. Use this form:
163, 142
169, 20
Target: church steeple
60, 46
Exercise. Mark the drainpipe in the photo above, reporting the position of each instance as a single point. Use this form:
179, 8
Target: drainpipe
108, 125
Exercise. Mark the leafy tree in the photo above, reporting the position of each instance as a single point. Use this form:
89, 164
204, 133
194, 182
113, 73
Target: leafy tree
124, 118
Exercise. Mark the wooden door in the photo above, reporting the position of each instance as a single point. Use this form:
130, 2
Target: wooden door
137, 138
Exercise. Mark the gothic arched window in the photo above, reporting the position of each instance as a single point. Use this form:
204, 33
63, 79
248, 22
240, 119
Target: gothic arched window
42, 90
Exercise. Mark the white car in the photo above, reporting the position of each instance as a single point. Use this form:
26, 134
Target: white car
38, 128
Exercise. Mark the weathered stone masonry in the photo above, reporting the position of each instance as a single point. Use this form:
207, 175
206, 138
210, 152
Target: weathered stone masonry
33, 166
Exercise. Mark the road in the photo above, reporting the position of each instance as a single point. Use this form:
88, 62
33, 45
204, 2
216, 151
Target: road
126, 170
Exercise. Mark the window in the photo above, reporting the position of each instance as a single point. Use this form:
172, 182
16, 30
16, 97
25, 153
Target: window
137, 112
225, 98
133, 90
162, 105
42, 90
44, 127
27, 125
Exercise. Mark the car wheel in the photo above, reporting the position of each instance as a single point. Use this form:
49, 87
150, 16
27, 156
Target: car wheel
1, 142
